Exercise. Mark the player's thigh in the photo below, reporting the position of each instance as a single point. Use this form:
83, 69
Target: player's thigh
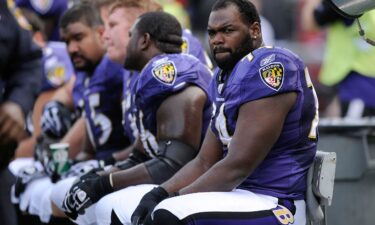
239, 206
45, 211
44, 187
59, 191
121, 204
35, 187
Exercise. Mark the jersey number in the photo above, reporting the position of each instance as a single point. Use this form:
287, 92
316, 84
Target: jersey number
315, 121
221, 126
99, 119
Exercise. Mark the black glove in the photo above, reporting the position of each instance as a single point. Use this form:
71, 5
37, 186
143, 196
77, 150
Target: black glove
110, 160
135, 158
91, 174
84, 193
142, 214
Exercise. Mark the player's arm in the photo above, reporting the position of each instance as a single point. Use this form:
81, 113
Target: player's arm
26, 147
258, 127
210, 153
123, 154
65, 93
179, 125
76, 137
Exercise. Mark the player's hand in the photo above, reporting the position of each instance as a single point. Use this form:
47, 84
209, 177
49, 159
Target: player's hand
84, 193
142, 214
12, 123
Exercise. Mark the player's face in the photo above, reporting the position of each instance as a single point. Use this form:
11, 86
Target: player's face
117, 32
133, 57
229, 37
84, 45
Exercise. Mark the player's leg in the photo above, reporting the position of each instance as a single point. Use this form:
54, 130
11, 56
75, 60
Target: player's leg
44, 186
118, 207
45, 211
236, 207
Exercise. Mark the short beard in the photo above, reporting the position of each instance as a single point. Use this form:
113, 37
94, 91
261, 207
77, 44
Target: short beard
132, 62
87, 67
129, 63
230, 62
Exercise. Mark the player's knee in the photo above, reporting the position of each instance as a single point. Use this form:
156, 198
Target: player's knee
162, 217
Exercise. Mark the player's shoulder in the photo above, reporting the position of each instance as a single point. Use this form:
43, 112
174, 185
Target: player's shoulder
58, 45
45, 7
58, 49
57, 65
189, 40
165, 68
267, 54
268, 58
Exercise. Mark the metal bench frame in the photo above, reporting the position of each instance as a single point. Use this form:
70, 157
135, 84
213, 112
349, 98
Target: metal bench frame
320, 183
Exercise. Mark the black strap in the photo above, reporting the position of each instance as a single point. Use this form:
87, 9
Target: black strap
171, 156
289, 204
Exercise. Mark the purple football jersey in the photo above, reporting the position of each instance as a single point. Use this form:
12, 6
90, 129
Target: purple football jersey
47, 9
58, 68
267, 72
191, 45
99, 96
128, 106
163, 76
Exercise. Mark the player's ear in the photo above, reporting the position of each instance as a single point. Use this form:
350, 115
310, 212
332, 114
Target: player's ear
145, 41
255, 30
100, 31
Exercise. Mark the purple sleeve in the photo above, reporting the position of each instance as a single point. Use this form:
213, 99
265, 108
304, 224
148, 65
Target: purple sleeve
256, 82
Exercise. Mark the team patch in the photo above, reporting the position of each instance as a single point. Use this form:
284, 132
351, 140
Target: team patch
272, 75
165, 72
56, 75
184, 46
283, 215
42, 6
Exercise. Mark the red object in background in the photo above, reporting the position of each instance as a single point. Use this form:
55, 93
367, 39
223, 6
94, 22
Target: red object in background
183, 2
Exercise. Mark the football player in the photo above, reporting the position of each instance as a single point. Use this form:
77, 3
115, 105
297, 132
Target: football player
253, 163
